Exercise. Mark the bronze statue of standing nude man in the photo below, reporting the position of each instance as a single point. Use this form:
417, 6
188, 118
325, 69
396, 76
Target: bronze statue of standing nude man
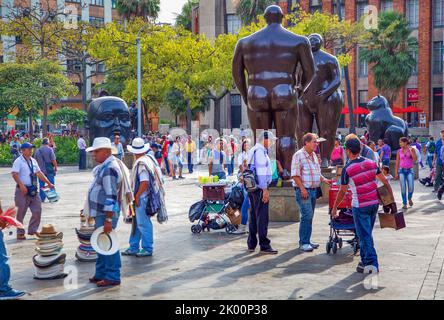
271, 57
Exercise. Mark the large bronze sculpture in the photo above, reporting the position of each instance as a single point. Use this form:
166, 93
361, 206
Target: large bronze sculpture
323, 100
108, 116
271, 57
382, 124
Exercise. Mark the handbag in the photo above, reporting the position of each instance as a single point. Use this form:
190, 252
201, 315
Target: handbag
390, 218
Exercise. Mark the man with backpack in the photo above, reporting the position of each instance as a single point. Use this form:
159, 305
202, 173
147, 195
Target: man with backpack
430, 147
437, 162
48, 164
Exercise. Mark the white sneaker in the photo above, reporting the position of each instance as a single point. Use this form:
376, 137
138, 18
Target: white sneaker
306, 248
242, 229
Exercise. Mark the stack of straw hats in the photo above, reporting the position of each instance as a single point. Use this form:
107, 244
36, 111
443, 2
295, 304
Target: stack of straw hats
85, 252
49, 262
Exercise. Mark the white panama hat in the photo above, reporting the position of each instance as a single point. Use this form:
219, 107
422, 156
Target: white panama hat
138, 146
102, 143
105, 244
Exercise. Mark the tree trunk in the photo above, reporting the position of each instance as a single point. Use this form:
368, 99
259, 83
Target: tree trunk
45, 118
217, 114
31, 130
352, 128
189, 117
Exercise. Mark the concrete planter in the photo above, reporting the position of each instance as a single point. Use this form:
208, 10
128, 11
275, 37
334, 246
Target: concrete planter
283, 207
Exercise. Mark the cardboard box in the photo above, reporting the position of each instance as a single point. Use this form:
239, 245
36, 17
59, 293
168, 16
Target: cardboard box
394, 221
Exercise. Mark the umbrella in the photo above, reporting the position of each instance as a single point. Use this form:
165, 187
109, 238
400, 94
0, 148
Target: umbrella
358, 110
397, 110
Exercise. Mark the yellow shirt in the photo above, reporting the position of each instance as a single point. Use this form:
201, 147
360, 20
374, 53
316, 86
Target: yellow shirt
190, 147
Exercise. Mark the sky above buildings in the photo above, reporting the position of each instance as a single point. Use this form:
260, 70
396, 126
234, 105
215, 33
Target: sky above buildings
169, 9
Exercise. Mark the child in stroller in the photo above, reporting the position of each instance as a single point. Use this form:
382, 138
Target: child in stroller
217, 214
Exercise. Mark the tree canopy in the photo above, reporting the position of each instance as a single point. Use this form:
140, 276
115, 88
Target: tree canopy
389, 49
184, 18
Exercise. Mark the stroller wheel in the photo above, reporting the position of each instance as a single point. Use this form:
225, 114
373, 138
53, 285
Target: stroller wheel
328, 247
230, 229
340, 243
196, 228
335, 248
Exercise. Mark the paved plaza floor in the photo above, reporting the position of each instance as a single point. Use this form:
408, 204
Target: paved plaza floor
217, 265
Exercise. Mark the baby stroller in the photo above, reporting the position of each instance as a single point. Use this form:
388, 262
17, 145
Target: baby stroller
217, 210
343, 225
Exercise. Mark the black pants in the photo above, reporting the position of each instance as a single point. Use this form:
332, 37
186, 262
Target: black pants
258, 222
82, 159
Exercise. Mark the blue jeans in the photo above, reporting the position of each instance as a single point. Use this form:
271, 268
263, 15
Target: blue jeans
245, 207
167, 165
406, 179
51, 179
364, 221
82, 159
5, 271
144, 229
108, 267
190, 162
386, 162
306, 208
230, 166
430, 161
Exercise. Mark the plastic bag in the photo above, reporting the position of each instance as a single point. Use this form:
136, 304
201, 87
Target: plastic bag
196, 210
236, 197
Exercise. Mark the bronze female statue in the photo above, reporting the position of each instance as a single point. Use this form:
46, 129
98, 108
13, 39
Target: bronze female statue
323, 100
271, 57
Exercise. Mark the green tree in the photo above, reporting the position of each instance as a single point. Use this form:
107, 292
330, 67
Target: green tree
248, 10
175, 100
28, 86
145, 9
184, 19
69, 116
389, 50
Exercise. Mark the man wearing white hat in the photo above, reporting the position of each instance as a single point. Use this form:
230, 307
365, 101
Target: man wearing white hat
142, 232
104, 206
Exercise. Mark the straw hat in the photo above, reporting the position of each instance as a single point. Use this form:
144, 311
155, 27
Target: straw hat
105, 244
49, 231
44, 262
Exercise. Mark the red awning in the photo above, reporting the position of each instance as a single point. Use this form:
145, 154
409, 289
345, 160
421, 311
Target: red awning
412, 109
397, 110
356, 111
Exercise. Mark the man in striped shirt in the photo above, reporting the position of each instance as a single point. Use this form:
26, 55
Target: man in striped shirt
360, 175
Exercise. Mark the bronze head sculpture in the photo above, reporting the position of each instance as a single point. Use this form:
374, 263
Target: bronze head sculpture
323, 100
382, 124
271, 57
108, 116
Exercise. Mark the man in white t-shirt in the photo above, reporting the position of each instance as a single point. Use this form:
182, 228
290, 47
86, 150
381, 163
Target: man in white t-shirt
25, 172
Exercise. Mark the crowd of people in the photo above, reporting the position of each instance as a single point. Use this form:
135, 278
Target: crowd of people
157, 156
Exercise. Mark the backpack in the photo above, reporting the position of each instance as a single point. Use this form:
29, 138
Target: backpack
153, 201
250, 177
431, 147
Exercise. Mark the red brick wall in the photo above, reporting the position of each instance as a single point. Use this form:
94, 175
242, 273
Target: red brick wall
350, 14
372, 91
305, 5
425, 57
327, 6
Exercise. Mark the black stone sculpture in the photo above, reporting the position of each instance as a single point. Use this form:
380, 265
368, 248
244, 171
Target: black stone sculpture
382, 124
323, 101
108, 116
270, 58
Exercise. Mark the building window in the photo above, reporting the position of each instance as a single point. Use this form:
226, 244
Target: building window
315, 5
1, 59
75, 1
360, 9
335, 10
362, 66
96, 3
236, 110
73, 66
362, 102
437, 104
114, 4
437, 57
18, 40
96, 21
415, 56
386, 5
438, 13
233, 23
412, 13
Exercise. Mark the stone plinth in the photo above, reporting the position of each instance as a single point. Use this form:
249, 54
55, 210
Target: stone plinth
128, 159
283, 207
329, 173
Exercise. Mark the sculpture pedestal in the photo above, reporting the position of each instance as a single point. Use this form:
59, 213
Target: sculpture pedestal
283, 207
329, 173
393, 165
90, 163
128, 159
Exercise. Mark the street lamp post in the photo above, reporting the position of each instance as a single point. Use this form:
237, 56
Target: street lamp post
139, 89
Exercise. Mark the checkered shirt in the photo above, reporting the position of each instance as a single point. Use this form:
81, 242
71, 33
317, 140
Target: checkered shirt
306, 167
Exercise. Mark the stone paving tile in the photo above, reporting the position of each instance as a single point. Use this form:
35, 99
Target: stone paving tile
216, 265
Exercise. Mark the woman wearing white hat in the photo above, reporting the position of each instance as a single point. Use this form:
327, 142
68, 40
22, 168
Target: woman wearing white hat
142, 233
